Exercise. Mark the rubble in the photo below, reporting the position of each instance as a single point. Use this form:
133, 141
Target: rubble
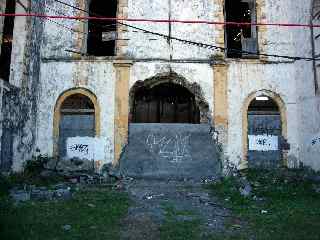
245, 188
32, 193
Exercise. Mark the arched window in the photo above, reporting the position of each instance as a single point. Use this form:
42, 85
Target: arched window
77, 119
6, 43
102, 34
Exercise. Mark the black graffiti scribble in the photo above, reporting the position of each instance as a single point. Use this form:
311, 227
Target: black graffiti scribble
262, 142
81, 148
315, 141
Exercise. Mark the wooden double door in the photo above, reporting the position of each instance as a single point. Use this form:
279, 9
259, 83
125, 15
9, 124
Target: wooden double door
165, 103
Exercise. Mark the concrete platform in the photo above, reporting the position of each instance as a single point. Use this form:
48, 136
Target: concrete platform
170, 151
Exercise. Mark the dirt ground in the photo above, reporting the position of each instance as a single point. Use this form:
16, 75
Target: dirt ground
154, 202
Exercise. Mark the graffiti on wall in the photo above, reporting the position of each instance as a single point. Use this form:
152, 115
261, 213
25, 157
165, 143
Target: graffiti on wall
263, 143
80, 148
315, 141
313, 145
174, 149
87, 148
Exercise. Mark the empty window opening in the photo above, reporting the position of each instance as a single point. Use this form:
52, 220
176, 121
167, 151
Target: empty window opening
165, 103
241, 39
77, 120
102, 34
7, 38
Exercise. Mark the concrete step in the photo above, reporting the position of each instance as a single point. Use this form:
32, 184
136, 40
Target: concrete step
170, 151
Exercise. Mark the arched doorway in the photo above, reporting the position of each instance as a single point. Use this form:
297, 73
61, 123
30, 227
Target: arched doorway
164, 103
264, 133
76, 115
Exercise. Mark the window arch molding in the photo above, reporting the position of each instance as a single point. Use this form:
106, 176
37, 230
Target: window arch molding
57, 114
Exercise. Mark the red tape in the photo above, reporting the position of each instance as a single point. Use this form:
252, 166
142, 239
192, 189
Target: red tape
158, 20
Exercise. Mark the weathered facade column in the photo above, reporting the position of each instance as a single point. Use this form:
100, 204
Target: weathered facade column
220, 74
219, 29
121, 115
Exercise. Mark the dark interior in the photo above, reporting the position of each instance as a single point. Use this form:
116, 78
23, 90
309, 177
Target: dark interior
99, 31
6, 47
165, 103
263, 106
236, 11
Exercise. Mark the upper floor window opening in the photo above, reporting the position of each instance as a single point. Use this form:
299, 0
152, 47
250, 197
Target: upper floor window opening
243, 38
7, 38
102, 34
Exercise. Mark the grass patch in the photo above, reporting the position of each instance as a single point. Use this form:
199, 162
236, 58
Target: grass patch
173, 229
285, 206
91, 214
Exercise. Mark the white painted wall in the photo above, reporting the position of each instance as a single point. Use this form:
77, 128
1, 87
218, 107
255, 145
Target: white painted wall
58, 77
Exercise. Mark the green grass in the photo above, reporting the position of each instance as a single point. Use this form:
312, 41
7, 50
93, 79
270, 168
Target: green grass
92, 214
293, 207
172, 229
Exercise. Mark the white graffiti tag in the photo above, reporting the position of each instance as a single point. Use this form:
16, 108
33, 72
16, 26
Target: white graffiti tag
173, 148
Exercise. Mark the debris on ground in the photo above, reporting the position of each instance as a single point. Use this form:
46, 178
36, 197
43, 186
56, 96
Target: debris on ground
33, 193
185, 201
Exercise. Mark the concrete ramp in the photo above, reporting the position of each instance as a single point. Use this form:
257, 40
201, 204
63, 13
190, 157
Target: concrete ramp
170, 151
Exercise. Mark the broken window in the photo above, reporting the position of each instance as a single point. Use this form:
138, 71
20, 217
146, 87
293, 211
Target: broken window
7, 37
165, 103
243, 38
102, 34
77, 120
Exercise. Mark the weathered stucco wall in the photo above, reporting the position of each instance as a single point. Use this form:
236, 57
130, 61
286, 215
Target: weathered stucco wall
19, 104
59, 77
20, 37
247, 78
142, 45
307, 92
57, 36
23, 147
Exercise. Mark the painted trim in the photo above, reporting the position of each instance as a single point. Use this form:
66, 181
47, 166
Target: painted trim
121, 110
283, 113
57, 114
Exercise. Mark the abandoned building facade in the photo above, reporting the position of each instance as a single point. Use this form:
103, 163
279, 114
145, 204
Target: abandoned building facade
74, 87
